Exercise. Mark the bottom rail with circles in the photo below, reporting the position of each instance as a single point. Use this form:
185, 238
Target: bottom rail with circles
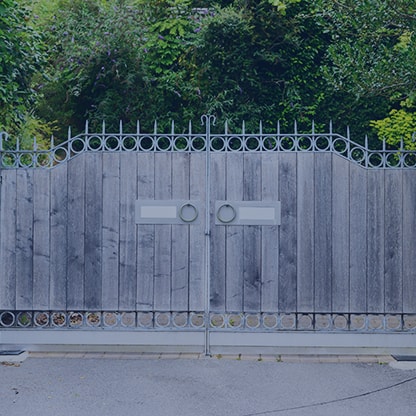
233, 321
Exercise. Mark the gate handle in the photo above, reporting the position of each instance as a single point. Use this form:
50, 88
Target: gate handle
187, 218
226, 220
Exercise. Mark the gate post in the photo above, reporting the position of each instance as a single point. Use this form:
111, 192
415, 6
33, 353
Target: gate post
207, 120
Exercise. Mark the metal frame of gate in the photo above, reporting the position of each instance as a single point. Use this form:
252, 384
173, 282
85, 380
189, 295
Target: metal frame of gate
210, 329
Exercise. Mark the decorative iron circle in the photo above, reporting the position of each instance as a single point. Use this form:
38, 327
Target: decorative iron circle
128, 319
42, 160
9, 160
94, 143
24, 319
393, 322
197, 320
7, 319
198, 143
269, 143
340, 146
304, 143
234, 320
145, 319
235, 144
217, 320
288, 321
188, 212
41, 319
164, 143
110, 319
410, 160
60, 154
76, 319
77, 145
226, 213
180, 320
340, 322
270, 321
287, 143
58, 319
322, 143
376, 160
217, 144
93, 319
181, 144
305, 322
162, 319
357, 154
25, 160
375, 322
128, 143
112, 143
252, 143
323, 321
252, 321
146, 143
358, 322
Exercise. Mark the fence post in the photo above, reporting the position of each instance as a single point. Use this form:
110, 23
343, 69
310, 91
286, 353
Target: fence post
207, 120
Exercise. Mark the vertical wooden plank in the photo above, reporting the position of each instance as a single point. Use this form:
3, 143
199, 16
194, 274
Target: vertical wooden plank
93, 230
305, 232
409, 241
270, 235
8, 240
41, 238
217, 242
145, 234
76, 232
358, 239
180, 235
163, 235
128, 254
288, 233
58, 243
234, 283
393, 249
252, 236
340, 234
111, 230
323, 232
375, 241
197, 260
24, 240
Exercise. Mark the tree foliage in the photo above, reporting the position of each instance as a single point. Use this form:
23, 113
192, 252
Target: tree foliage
347, 61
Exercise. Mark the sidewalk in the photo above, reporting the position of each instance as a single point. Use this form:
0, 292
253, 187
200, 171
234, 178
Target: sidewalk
57, 384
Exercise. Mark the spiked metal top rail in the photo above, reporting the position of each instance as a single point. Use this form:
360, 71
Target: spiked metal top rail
197, 142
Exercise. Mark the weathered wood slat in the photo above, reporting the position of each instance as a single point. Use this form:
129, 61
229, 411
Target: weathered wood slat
76, 233
341, 234
8, 240
358, 240
270, 236
252, 236
93, 231
217, 242
128, 266
111, 231
305, 232
163, 235
58, 243
323, 232
409, 241
234, 236
145, 234
41, 239
197, 254
24, 240
180, 235
288, 239
393, 235
375, 241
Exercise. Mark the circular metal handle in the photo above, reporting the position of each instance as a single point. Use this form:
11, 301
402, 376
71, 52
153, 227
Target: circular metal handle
188, 212
226, 213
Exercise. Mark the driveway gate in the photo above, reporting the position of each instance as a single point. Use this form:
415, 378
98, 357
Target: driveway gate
252, 234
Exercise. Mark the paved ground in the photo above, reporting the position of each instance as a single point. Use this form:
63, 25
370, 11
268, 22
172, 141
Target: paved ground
191, 385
